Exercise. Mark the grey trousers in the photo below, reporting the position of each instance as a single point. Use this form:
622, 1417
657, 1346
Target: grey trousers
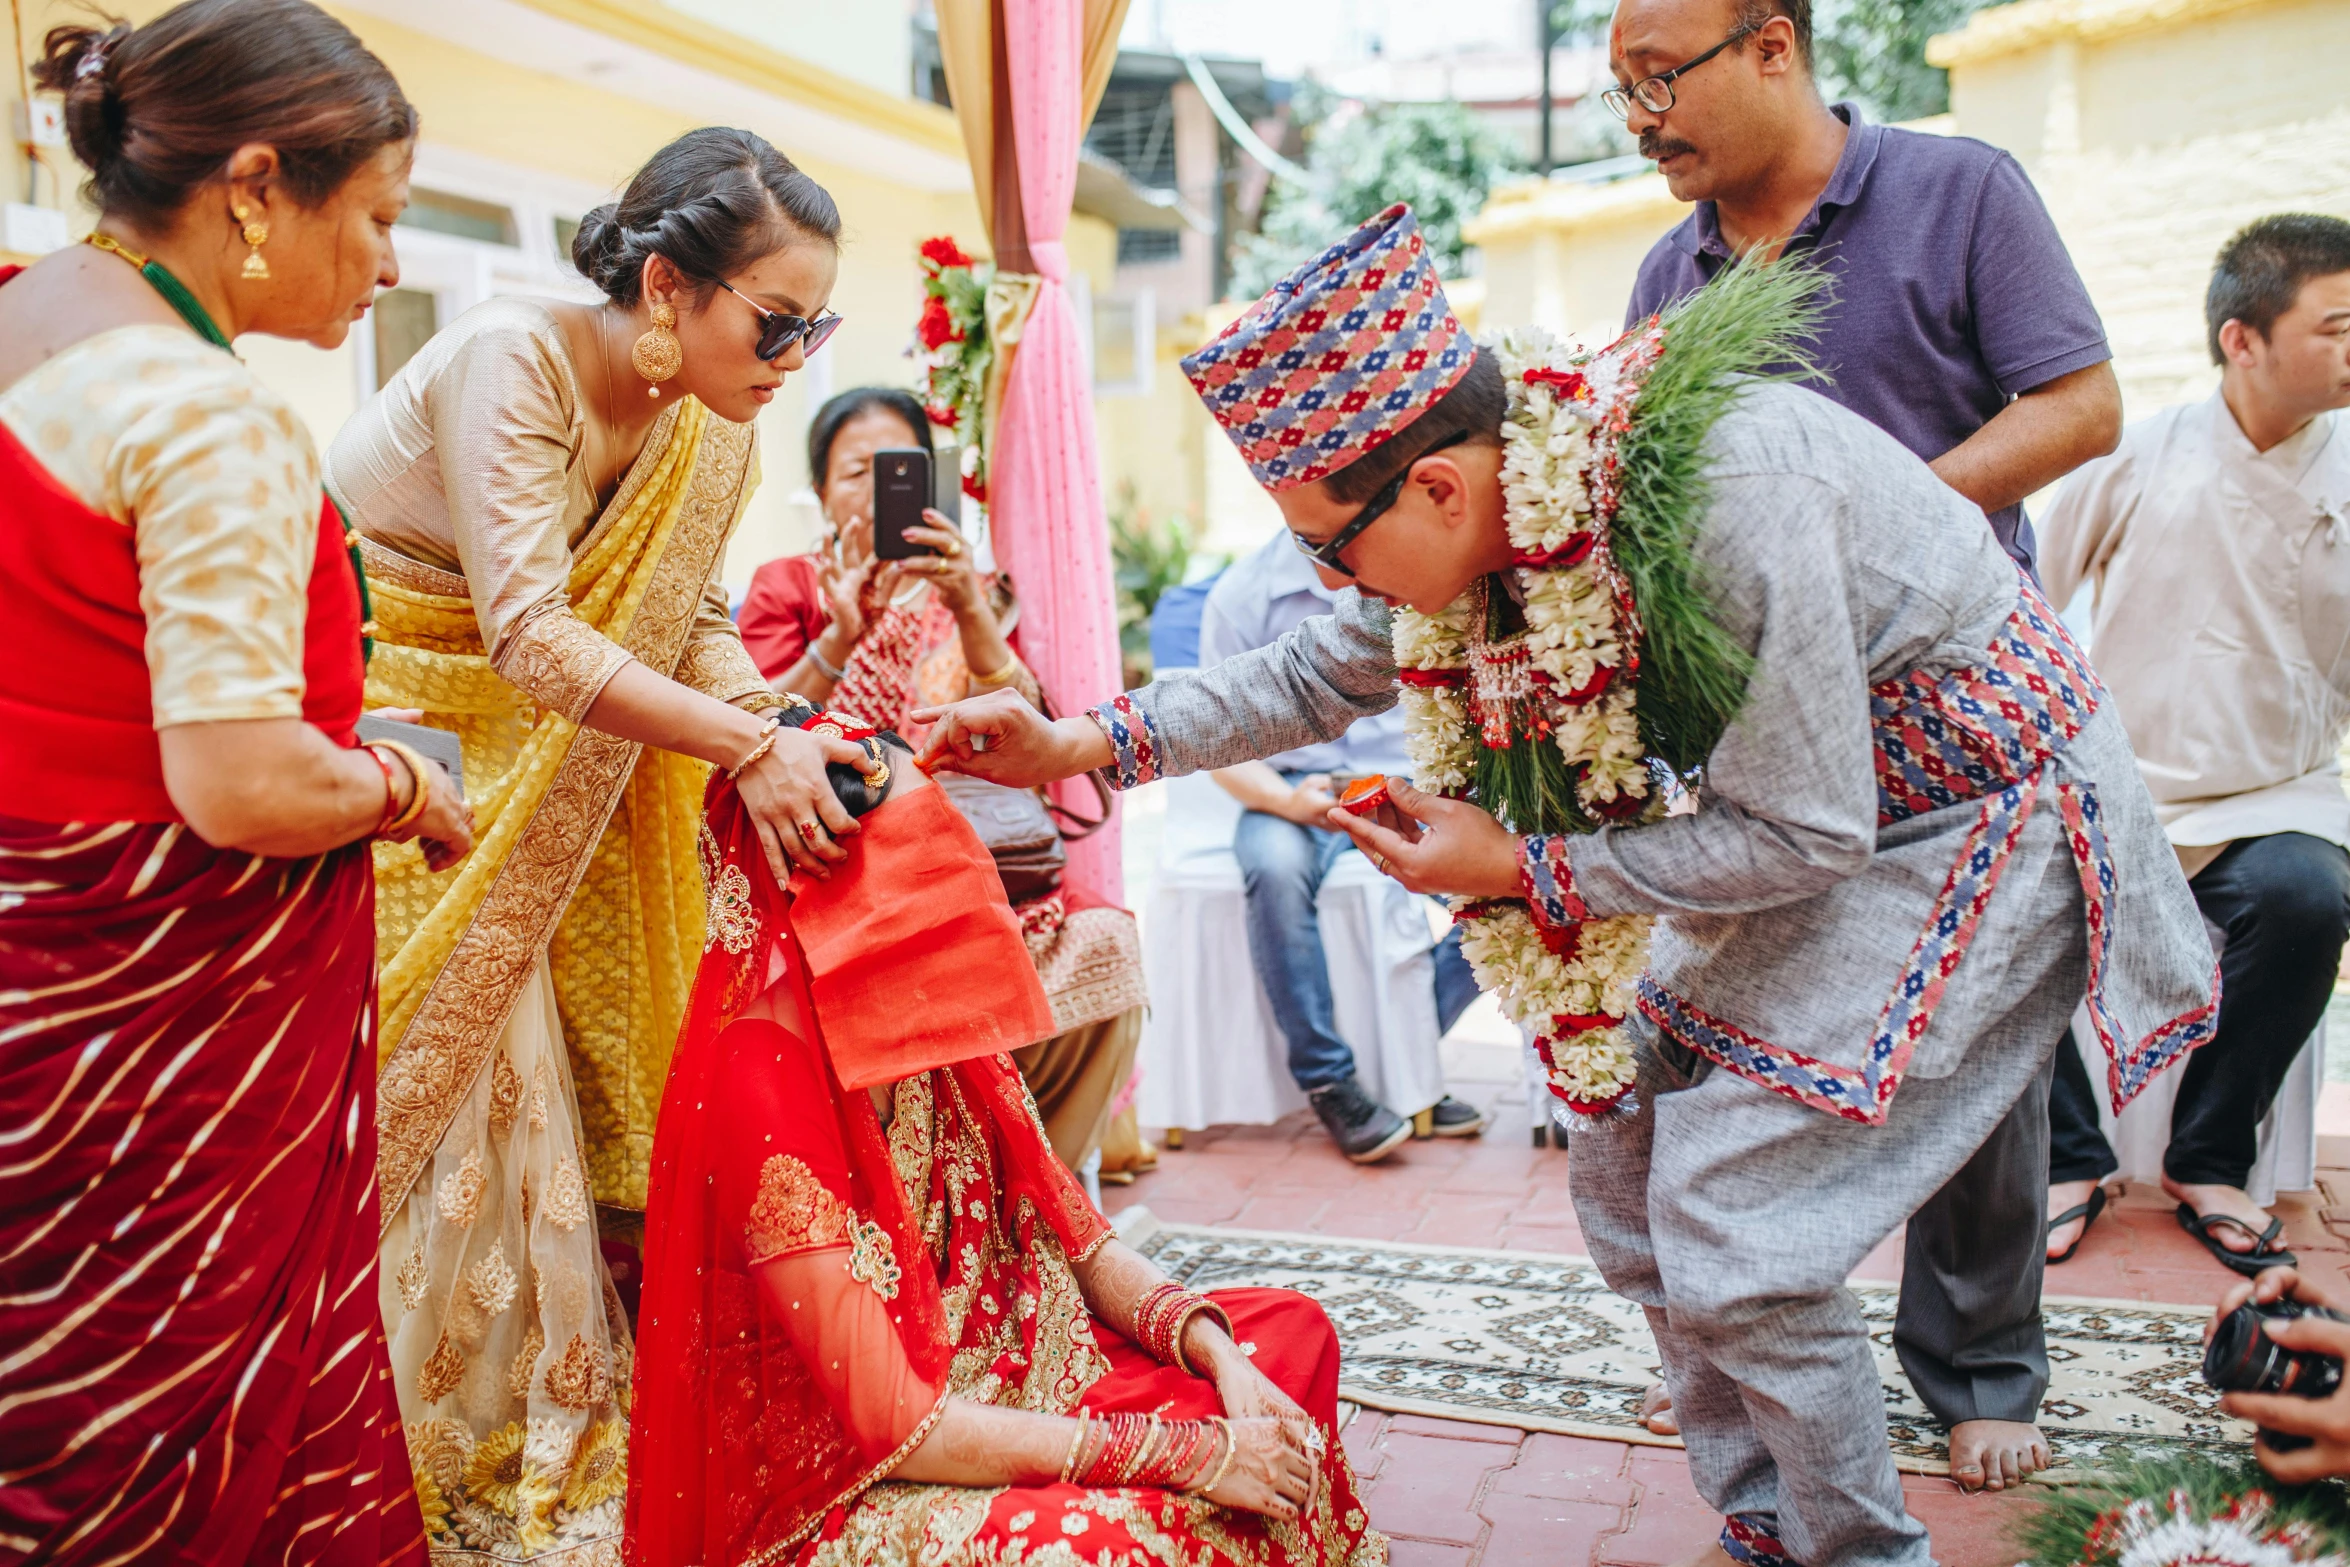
1733, 1216
1969, 1331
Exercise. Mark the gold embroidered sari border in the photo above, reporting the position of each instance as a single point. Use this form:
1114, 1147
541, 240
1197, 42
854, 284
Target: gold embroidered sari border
454, 1031
865, 1482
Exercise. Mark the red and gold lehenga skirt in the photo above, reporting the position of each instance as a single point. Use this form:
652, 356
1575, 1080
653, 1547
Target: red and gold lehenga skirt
192, 1363
935, 1252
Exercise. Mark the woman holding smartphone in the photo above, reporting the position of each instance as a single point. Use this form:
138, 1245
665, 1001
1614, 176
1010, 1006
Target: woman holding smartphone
879, 638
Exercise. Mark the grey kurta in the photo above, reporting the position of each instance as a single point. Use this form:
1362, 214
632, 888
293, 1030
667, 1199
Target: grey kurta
1725, 1201
1840, 561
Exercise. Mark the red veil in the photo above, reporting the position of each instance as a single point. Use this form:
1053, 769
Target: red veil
777, 1225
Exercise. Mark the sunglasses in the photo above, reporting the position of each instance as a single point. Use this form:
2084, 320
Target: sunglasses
1326, 553
777, 331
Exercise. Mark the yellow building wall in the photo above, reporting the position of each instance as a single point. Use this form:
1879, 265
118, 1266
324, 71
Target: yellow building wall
2155, 132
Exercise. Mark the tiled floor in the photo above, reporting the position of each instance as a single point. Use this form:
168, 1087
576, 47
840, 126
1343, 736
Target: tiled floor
1453, 1494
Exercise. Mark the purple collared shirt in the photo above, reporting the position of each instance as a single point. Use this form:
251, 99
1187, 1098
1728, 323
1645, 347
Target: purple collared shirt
1953, 292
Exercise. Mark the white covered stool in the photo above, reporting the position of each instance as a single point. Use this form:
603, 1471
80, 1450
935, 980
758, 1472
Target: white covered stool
1211, 1052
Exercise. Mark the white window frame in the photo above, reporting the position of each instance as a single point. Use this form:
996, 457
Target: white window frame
1146, 346
460, 273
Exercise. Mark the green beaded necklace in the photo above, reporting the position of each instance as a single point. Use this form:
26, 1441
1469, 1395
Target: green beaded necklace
175, 294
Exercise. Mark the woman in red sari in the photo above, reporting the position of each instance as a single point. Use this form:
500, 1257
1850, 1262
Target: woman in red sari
192, 1364
881, 1324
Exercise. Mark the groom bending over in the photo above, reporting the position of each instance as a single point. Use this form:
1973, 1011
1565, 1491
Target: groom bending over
1911, 806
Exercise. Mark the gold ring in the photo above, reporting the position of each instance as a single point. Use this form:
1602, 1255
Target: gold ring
806, 830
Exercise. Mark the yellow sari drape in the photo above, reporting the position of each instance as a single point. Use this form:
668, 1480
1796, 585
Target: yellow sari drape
585, 845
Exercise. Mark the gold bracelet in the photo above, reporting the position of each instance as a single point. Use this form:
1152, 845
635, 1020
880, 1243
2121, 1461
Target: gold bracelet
1231, 1451
1069, 1464
416, 802
1001, 678
765, 745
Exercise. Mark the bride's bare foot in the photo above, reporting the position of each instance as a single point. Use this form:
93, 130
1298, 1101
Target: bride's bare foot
2063, 1197
1991, 1455
1656, 1411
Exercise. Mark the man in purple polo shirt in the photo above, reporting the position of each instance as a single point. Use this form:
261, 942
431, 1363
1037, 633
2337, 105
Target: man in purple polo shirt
1960, 328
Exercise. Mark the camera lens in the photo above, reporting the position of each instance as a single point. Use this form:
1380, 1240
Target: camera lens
2241, 1358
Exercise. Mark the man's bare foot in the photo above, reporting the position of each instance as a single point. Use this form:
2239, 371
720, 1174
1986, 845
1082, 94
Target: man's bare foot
2063, 1196
1656, 1411
2230, 1200
1991, 1455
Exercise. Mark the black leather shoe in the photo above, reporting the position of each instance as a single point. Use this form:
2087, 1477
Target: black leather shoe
1365, 1130
1448, 1117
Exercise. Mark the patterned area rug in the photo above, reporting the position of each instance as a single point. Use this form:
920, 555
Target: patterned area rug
1540, 1343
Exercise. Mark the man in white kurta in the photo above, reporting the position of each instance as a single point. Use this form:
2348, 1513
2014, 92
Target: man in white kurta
2218, 541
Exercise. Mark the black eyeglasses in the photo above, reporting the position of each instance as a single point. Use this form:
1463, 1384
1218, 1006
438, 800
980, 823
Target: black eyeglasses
777, 331
1326, 553
1655, 93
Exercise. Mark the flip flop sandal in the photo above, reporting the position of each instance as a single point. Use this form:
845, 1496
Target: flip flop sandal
2261, 1257
2087, 1213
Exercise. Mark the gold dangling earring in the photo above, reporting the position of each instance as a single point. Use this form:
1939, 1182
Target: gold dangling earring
658, 354
255, 235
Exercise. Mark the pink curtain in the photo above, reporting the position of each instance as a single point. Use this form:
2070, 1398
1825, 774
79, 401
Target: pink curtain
1045, 498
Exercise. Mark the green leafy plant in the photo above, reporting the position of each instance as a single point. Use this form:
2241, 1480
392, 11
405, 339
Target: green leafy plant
1362, 159
1148, 556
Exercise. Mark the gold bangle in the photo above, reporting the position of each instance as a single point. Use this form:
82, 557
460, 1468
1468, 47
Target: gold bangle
765, 745
417, 801
1231, 1451
1001, 678
1076, 1441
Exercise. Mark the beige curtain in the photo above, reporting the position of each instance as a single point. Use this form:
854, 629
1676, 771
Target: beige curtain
967, 44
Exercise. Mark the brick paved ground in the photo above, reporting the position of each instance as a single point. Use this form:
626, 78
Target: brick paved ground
1454, 1494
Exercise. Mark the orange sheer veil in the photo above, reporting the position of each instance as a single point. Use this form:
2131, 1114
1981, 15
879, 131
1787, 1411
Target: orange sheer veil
792, 1339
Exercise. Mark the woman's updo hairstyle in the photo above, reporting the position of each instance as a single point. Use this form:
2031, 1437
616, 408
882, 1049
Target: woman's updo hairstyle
156, 111
714, 201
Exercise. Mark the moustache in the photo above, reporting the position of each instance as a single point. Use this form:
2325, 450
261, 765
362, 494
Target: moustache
1655, 145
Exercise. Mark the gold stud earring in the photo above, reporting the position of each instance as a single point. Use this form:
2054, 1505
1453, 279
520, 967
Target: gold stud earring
658, 354
256, 235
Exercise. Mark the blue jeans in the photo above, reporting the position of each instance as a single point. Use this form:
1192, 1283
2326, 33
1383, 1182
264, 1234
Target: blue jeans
1283, 864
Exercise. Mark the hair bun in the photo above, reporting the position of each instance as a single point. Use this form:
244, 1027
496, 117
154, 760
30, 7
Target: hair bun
599, 249
73, 63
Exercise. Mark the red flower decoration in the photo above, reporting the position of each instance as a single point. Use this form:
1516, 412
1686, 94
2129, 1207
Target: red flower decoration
1568, 383
937, 326
943, 252
943, 416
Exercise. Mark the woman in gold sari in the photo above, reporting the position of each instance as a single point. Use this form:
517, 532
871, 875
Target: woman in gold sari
543, 495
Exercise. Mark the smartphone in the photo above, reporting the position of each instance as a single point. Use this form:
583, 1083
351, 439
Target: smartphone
901, 488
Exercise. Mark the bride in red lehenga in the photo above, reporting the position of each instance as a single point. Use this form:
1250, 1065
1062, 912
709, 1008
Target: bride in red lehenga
881, 1323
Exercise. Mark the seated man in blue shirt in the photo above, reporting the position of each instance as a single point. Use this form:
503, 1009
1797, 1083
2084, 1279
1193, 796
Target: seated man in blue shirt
1284, 853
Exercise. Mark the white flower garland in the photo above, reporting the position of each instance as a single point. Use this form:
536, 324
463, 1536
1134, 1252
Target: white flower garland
1465, 696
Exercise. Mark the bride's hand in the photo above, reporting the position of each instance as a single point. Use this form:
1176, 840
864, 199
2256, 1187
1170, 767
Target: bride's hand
1269, 1473
797, 815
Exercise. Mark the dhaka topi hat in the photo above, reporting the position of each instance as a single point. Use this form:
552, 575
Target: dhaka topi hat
1341, 356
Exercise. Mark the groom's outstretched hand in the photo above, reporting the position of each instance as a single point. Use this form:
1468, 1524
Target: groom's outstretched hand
1000, 738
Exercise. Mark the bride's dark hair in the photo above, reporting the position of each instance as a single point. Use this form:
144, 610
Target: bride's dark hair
713, 201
